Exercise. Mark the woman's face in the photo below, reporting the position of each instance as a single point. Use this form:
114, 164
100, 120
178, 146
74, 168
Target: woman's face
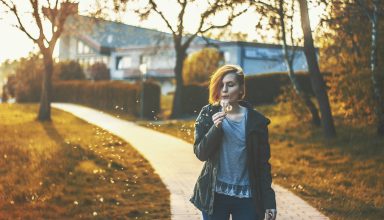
231, 90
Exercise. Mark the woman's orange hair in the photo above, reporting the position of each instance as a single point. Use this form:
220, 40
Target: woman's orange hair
215, 84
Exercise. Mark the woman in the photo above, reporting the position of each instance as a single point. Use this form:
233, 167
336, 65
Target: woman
232, 139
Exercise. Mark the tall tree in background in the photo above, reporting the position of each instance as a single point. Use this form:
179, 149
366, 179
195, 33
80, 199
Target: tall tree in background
317, 81
55, 12
278, 10
373, 10
182, 39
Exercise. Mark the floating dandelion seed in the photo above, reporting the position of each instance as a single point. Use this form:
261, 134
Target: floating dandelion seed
117, 203
94, 213
101, 199
146, 212
12, 202
5, 156
76, 202
116, 107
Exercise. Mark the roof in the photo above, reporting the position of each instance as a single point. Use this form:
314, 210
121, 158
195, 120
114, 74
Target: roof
110, 34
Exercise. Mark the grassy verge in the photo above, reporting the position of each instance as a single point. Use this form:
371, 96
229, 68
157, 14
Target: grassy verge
342, 178
69, 169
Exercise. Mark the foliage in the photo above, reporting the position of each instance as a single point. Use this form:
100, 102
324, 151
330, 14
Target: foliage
345, 51
290, 103
199, 65
29, 77
68, 70
99, 71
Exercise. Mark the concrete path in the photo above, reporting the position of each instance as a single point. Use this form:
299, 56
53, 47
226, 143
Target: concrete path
177, 166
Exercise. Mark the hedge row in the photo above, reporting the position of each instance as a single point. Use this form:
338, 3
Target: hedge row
260, 89
110, 95
263, 89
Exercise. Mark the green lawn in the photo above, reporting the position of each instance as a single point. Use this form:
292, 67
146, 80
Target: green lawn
343, 177
69, 169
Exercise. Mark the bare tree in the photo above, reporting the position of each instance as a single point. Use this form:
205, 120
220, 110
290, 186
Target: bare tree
182, 39
317, 81
373, 12
55, 12
289, 55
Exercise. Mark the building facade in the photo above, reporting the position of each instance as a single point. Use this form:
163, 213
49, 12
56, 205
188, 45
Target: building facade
126, 48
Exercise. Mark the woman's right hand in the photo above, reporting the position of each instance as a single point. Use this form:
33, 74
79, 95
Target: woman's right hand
218, 118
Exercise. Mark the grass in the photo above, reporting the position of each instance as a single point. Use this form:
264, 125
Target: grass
342, 178
68, 169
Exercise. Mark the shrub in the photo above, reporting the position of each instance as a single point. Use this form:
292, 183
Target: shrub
68, 70
199, 65
29, 77
195, 96
99, 71
109, 95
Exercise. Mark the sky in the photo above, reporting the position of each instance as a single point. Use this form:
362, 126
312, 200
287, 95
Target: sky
15, 44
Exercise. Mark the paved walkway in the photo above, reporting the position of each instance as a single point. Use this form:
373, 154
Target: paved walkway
177, 166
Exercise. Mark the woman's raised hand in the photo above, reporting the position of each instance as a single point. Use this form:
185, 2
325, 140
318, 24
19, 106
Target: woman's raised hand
218, 118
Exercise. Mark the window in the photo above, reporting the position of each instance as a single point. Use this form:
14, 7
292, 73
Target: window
123, 62
145, 59
227, 57
82, 48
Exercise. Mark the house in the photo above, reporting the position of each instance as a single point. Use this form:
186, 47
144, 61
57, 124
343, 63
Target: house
125, 48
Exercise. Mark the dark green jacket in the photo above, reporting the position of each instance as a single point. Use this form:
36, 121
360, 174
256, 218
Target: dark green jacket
206, 147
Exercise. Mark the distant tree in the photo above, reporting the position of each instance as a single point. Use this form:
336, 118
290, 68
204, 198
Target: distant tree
68, 70
10, 86
374, 10
54, 12
28, 78
4, 94
99, 71
317, 80
198, 66
183, 39
347, 55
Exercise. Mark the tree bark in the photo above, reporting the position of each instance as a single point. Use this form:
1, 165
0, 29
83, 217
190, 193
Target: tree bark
317, 81
181, 54
376, 81
45, 98
291, 73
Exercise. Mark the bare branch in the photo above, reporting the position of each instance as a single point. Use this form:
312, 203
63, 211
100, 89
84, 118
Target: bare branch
13, 9
36, 15
268, 6
180, 26
200, 31
154, 7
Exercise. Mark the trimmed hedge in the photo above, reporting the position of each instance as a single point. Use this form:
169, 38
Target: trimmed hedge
109, 95
260, 89
263, 89
194, 96
152, 95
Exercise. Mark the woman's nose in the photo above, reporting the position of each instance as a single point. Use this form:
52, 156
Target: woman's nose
225, 88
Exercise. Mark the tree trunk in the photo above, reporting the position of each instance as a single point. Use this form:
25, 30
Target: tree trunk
317, 81
45, 99
291, 73
177, 99
376, 81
